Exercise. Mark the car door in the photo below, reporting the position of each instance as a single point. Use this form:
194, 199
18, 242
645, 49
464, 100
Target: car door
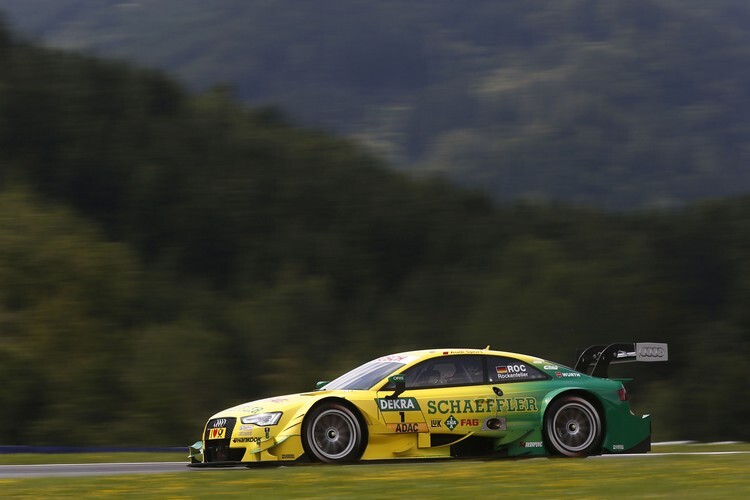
444, 395
519, 388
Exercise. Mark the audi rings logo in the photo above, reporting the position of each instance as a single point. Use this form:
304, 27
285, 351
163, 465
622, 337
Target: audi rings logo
220, 423
651, 352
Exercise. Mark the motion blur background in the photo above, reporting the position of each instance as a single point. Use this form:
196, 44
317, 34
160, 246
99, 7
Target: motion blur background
200, 205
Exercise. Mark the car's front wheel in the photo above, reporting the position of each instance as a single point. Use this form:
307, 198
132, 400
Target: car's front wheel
573, 427
332, 433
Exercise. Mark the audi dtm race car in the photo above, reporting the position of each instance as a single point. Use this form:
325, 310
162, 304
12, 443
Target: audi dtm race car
441, 403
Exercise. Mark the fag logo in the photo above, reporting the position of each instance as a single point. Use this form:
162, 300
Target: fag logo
217, 433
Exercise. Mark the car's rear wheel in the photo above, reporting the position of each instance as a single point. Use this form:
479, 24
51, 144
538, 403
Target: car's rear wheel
573, 427
332, 433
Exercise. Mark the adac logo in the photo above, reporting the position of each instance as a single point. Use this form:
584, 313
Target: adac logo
451, 422
398, 404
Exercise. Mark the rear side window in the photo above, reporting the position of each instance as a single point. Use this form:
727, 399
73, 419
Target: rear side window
502, 370
445, 371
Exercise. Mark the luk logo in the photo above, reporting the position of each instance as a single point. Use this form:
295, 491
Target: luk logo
398, 404
435, 423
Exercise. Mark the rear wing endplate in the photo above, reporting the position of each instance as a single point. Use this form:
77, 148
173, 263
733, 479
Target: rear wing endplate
595, 359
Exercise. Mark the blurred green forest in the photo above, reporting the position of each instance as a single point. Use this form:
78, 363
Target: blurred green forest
616, 104
165, 254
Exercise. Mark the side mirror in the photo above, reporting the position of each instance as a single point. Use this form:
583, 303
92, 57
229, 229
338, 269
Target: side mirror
400, 382
320, 384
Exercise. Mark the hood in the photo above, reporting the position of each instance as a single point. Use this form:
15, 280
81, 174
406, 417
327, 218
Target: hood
286, 404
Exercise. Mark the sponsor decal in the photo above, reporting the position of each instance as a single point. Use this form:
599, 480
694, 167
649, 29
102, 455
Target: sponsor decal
618, 447
530, 444
551, 367
651, 352
513, 375
287, 456
278, 400
398, 358
219, 422
499, 405
511, 371
568, 374
217, 433
470, 422
252, 410
255, 440
247, 427
398, 404
407, 427
435, 423
451, 423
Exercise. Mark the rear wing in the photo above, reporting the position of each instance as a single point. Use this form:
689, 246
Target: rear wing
595, 359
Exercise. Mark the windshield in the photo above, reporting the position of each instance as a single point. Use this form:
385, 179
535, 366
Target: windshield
364, 376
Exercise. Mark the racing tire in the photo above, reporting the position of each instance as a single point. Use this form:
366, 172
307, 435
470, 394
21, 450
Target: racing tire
332, 433
573, 427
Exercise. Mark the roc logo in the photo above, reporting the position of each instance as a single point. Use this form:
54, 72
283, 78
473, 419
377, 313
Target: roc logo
398, 404
217, 433
451, 422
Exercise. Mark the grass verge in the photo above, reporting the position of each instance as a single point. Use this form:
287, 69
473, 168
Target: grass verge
664, 476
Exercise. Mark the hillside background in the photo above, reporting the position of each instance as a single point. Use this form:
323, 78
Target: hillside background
617, 104
170, 247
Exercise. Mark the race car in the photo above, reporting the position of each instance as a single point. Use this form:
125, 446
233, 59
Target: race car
441, 403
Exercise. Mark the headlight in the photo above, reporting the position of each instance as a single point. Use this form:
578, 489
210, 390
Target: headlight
263, 419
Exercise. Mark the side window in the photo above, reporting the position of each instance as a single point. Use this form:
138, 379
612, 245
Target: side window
445, 371
502, 370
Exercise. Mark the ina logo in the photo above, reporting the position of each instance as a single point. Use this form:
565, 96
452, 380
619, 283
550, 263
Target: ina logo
451, 422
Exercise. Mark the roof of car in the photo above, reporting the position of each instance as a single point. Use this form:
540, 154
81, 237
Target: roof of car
410, 356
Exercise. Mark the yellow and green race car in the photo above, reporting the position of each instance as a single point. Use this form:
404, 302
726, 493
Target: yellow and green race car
441, 403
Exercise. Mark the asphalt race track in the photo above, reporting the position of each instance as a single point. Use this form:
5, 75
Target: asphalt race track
51, 470
72, 470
